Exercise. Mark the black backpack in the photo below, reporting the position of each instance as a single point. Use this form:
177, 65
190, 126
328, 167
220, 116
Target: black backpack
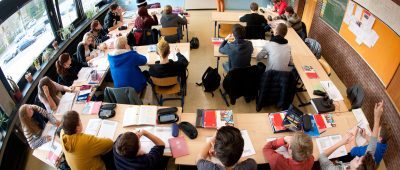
194, 43
210, 80
356, 96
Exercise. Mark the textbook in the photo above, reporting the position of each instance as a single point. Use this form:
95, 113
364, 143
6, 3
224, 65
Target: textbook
281, 150
178, 146
92, 108
248, 148
84, 93
53, 148
101, 128
140, 115
310, 72
66, 102
276, 121
332, 91
217, 41
163, 132
324, 121
328, 141
214, 118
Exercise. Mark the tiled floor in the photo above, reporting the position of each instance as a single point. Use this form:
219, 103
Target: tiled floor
200, 26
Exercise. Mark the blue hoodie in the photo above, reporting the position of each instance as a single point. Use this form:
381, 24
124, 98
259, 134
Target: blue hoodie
125, 71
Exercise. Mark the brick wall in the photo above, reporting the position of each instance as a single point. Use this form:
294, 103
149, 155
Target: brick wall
352, 69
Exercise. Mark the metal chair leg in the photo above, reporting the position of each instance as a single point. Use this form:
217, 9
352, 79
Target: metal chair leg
224, 97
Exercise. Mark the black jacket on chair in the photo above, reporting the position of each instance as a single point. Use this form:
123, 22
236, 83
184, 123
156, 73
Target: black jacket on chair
276, 88
243, 82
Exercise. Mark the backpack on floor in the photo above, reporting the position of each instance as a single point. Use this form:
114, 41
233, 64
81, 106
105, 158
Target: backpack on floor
194, 43
210, 80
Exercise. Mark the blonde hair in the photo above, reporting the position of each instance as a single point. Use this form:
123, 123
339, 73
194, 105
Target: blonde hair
301, 146
120, 42
163, 48
87, 36
27, 124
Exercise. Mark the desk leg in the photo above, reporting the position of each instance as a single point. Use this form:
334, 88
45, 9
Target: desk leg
187, 33
215, 28
217, 63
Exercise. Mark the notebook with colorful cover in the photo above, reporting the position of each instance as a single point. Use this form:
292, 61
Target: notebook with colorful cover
310, 72
324, 121
314, 132
214, 118
84, 93
276, 121
178, 146
92, 108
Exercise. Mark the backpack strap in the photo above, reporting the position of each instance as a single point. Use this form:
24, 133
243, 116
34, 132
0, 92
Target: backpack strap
204, 76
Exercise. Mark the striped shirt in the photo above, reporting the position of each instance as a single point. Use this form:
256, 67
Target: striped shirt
36, 140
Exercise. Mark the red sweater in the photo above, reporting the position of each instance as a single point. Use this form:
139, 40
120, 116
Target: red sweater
280, 7
279, 162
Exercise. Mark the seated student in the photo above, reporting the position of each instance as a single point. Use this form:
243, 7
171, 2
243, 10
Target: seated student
141, 3
99, 34
227, 146
128, 155
381, 146
82, 151
239, 51
364, 162
114, 18
279, 6
84, 49
300, 148
144, 20
167, 67
292, 20
256, 24
33, 121
169, 19
48, 93
66, 70
277, 51
124, 66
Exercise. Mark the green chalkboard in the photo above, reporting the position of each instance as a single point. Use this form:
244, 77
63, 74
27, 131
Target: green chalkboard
332, 12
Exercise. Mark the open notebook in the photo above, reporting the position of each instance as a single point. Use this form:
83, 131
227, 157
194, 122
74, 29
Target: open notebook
140, 115
101, 128
163, 132
324, 143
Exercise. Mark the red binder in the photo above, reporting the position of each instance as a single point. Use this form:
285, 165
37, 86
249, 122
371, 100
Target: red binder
210, 119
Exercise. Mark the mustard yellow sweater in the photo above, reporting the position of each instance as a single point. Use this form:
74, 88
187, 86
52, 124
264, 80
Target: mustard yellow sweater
83, 151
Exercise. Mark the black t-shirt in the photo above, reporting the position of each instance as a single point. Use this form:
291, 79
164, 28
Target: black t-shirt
110, 20
253, 19
172, 68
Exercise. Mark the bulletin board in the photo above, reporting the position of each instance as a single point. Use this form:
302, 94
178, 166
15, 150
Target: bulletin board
380, 48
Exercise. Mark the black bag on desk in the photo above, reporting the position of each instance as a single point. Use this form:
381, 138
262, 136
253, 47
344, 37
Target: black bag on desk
356, 96
323, 105
107, 111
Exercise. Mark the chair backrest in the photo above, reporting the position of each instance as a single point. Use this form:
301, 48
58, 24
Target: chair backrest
123, 95
163, 82
304, 28
168, 31
326, 66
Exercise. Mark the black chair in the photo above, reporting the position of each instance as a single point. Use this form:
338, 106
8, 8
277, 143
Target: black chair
276, 88
123, 95
139, 37
242, 82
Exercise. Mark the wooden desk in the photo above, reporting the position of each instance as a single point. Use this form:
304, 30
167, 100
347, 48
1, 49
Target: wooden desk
119, 116
232, 17
259, 129
301, 55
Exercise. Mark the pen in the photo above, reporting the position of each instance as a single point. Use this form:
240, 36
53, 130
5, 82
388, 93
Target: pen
322, 132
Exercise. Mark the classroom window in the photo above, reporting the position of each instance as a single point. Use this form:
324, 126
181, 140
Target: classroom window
23, 37
89, 4
68, 12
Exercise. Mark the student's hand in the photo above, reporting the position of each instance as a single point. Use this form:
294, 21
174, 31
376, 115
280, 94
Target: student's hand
228, 37
287, 139
120, 11
354, 131
153, 13
347, 138
48, 138
58, 123
177, 49
378, 110
46, 90
364, 134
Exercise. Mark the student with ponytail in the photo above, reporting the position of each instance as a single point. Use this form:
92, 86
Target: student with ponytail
66, 69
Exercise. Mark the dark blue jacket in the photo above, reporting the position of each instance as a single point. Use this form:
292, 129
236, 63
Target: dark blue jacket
379, 152
125, 70
239, 53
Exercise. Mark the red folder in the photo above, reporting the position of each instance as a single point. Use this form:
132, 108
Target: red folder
278, 122
320, 121
178, 146
210, 119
